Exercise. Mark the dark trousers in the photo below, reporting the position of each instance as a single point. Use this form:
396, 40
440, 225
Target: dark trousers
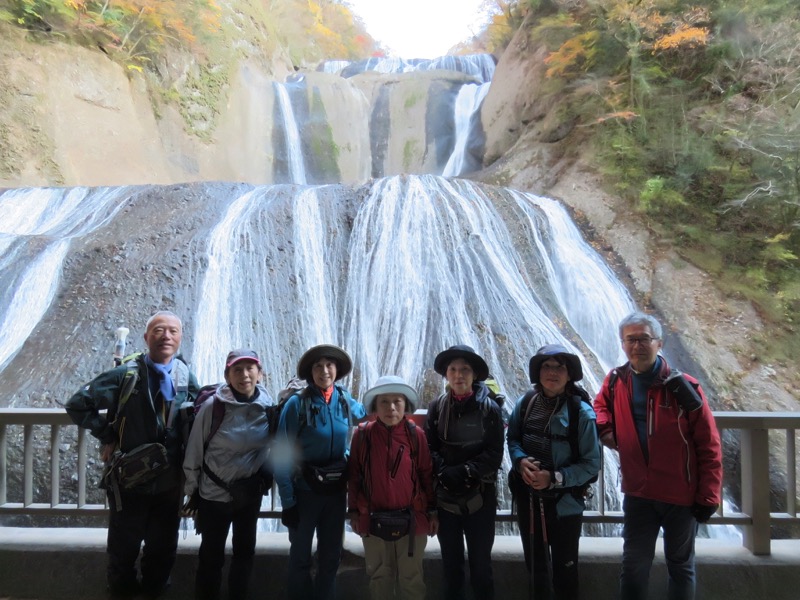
478, 529
563, 536
152, 519
641, 523
325, 516
216, 519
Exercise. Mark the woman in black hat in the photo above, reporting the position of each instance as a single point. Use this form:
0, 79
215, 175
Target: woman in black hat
554, 451
310, 463
465, 436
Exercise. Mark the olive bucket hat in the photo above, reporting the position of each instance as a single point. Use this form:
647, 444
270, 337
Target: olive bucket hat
343, 362
560, 353
390, 384
443, 359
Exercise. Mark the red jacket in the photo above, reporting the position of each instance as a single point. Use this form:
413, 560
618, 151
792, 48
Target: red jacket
387, 473
685, 458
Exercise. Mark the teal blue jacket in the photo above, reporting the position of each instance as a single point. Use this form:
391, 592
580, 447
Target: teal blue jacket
575, 474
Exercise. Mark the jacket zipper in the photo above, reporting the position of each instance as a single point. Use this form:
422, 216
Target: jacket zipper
397, 460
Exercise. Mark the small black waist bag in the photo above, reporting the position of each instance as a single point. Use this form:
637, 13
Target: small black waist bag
391, 525
329, 479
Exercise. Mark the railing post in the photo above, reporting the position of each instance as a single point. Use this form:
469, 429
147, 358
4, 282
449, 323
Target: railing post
755, 489
55, 465
3, 465
27, 470
791, 473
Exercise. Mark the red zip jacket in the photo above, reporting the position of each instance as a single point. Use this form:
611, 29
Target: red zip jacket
387, 473
685, 464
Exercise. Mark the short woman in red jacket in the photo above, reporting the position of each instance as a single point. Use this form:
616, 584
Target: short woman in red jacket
390, 491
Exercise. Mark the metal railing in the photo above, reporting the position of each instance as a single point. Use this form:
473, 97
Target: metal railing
754, 428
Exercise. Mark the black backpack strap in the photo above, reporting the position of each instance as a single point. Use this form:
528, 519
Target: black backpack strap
573, 410
217, 414
527, 405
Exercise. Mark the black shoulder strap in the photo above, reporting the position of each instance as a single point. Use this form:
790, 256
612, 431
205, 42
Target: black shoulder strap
217, 414
412, 434
573, 410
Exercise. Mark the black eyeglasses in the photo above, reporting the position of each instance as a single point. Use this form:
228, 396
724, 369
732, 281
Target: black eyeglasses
644, 340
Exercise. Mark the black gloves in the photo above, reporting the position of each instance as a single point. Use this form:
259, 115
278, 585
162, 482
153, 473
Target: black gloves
290, 517
702, 512
452, 478
457, 478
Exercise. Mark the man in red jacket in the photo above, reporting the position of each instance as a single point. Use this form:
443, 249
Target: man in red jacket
669, 452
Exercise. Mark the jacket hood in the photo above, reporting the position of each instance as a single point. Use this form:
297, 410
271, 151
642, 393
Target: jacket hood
225, 394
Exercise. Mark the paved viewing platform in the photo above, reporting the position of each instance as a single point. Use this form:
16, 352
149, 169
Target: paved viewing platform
69, 564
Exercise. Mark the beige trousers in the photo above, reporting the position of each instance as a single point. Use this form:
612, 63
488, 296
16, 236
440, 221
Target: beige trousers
392, 574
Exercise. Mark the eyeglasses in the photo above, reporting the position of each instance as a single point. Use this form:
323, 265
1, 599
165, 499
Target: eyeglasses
644, 340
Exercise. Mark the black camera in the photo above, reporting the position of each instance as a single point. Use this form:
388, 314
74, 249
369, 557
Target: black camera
683, 391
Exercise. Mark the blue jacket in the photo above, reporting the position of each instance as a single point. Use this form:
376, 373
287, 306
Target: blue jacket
313, 431
576, 474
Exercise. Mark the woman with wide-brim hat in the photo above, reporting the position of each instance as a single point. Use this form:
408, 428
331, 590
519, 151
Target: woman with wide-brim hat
465, 436
315, 425
553, 459
390, 491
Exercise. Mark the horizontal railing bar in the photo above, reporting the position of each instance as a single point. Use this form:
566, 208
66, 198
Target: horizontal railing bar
757, 420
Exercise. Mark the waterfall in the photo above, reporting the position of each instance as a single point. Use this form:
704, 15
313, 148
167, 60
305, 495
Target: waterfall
35, 234
294, 149
468, 102
394, 270
479, 66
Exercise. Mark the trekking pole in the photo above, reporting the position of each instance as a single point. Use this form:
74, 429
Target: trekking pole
119, 345
531, 544
548, 560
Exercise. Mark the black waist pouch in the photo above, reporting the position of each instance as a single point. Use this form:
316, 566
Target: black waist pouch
391, 525
329, 479
244, 491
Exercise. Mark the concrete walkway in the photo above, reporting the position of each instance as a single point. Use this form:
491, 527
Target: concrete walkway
65, 564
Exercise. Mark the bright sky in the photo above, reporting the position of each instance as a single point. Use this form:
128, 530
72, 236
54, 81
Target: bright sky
420, 28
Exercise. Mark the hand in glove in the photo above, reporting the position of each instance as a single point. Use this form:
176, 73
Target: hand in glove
453, 478
190, 505
702, 512
290, 517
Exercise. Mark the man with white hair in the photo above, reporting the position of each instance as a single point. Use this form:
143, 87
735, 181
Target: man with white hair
143, 450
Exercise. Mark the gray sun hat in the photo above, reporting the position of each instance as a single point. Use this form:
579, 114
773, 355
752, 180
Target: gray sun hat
390, 384
344, 364
443, 359
556, 351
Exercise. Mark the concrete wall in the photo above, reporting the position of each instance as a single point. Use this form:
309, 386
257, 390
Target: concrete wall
56, 564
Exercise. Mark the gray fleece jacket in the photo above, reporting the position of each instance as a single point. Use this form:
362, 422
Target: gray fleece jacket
238, 448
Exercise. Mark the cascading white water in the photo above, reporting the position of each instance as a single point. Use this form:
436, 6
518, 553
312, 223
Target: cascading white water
468, 102
416, 264
294, 148
480, 66
36, 230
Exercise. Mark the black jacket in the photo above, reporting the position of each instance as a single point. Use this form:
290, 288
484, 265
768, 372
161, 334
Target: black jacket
142, 420
469, 432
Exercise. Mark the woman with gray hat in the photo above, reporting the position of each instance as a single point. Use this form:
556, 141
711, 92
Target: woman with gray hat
554, 451
465, 437
310, 464
390, 491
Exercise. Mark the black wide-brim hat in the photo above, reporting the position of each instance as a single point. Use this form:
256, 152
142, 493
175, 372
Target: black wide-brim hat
572, 361
344, 363
443, 359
